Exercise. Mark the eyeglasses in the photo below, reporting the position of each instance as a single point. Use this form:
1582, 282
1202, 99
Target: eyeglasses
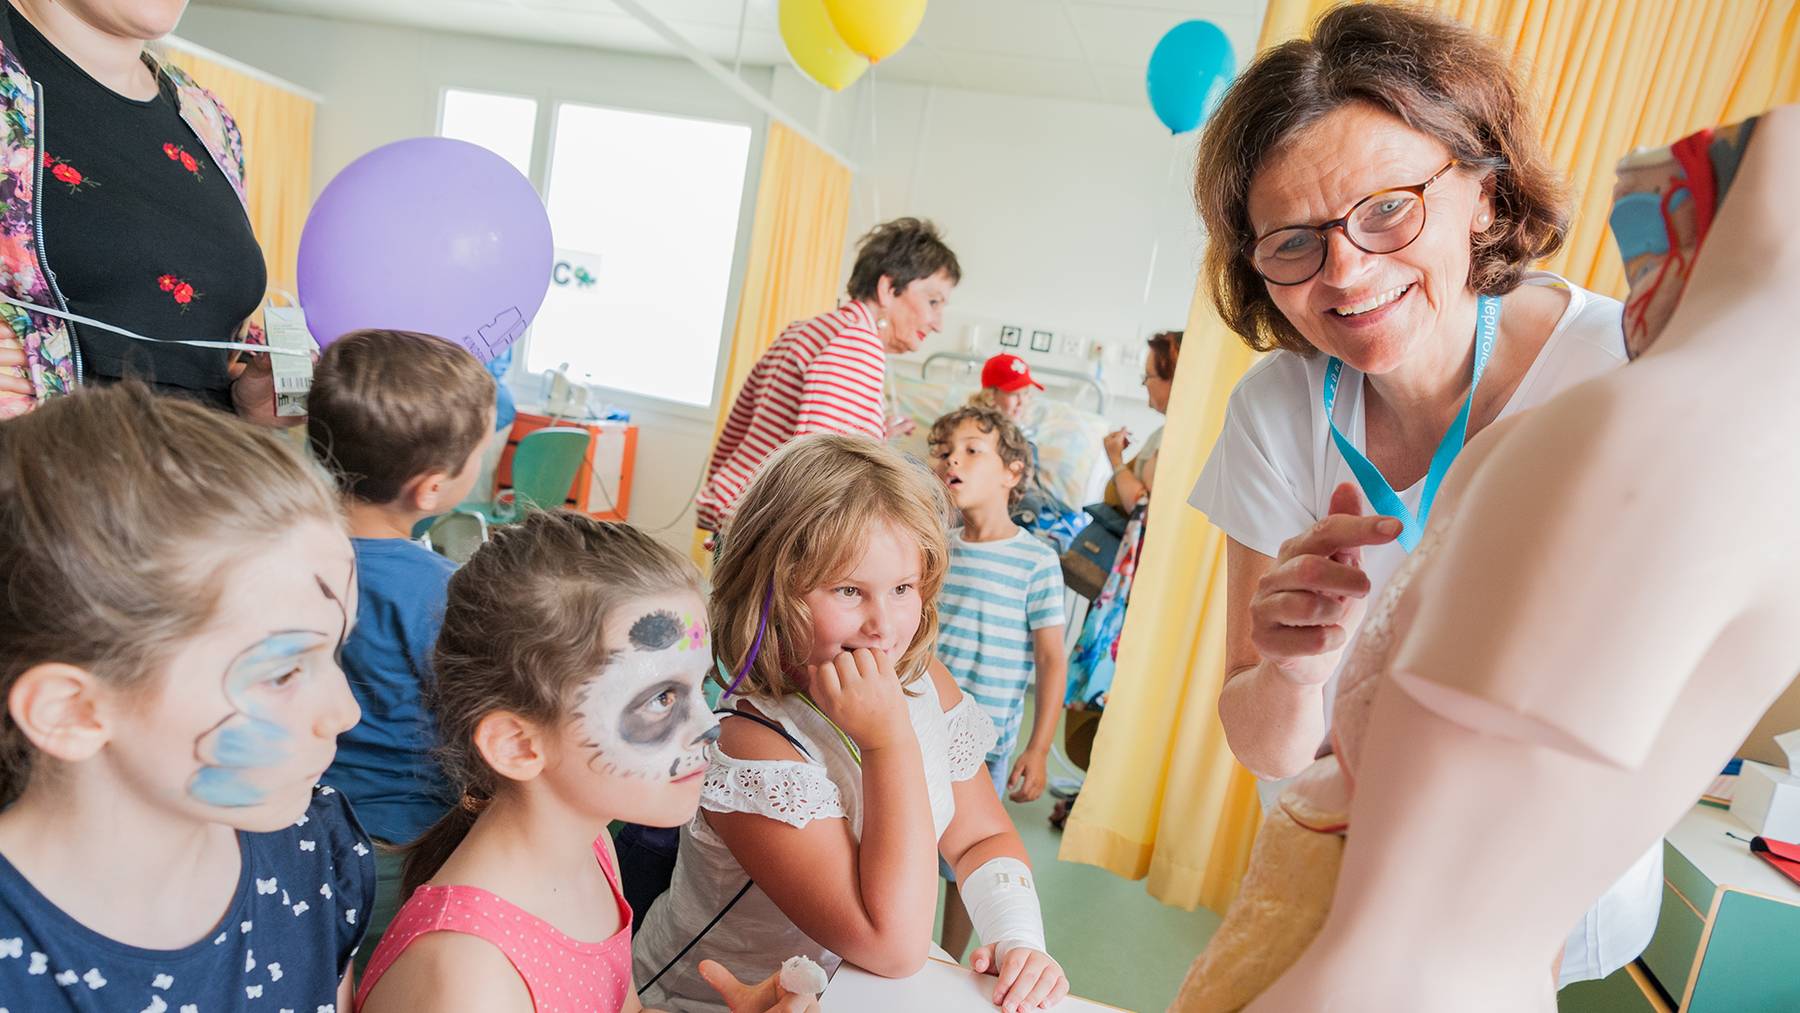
1384, 222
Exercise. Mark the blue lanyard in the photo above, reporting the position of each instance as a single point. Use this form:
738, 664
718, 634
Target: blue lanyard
1381, 495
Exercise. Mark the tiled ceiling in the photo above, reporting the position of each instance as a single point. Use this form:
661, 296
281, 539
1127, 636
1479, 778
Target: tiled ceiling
1092, 50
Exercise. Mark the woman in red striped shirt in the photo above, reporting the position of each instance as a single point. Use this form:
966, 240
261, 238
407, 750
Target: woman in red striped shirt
824, 375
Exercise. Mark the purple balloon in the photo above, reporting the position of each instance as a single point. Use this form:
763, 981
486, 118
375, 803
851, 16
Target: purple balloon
428, 234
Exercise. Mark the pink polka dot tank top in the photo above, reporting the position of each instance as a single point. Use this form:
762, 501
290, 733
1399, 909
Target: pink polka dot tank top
563, 974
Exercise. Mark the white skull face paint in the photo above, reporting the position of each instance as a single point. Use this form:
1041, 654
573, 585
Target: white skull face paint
645, 715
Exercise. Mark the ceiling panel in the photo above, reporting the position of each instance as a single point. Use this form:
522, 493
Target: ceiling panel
1017, 47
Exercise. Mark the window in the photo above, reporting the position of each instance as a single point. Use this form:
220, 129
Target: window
503, 124
645, 212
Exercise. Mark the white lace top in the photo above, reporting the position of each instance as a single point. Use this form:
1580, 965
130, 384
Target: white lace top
756, 937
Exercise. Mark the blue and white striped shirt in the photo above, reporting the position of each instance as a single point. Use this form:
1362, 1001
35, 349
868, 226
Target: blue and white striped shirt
995, 596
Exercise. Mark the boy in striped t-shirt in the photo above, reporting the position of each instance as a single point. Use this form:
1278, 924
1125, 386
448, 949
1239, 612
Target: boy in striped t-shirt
1000, 613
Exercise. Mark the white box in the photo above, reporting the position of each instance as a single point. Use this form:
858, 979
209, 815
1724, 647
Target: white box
1768, 801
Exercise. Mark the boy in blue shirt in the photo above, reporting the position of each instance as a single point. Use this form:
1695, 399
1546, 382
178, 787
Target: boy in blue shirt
401, 419
1000, 614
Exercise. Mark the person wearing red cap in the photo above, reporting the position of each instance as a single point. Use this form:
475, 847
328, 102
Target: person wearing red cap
1006, 384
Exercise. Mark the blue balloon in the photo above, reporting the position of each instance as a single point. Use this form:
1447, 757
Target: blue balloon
1188, 72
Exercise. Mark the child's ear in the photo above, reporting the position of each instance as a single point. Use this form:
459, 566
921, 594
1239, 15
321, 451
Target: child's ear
1015, 473
511, 745
426, 492
61, 709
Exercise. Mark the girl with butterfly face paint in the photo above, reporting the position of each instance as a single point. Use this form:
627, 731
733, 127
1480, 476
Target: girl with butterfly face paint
163, 840
569, 676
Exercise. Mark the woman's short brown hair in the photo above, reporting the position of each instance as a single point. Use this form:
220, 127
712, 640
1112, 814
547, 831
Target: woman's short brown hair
904, 250
1439, 77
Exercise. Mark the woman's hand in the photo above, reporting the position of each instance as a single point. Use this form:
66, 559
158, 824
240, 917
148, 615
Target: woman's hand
1306, 605
253, 392
1115, 443
12, 357
859, 692
765, 997
1029, 979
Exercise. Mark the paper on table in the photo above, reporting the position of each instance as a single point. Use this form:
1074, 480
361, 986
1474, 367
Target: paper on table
939, 986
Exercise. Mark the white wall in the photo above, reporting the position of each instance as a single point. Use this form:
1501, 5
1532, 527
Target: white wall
1054, 208
381, 84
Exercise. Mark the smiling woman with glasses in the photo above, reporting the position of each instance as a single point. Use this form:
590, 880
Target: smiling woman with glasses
1374, 197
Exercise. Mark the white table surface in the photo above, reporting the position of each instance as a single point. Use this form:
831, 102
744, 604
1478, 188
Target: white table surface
1700, 837
941, 986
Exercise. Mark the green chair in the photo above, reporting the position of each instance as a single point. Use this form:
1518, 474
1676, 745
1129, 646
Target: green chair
544, 467
454, 536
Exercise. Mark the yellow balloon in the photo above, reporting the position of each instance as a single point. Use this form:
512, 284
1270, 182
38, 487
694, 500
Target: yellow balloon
815, 46
876, 28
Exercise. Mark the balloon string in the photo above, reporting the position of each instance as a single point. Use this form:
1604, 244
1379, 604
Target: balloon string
234, 346
874, 142
1160, 205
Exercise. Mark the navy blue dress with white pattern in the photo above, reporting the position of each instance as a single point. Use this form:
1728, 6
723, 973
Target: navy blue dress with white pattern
297, 919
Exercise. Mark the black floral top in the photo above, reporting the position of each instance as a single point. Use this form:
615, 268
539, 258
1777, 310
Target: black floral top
143, 229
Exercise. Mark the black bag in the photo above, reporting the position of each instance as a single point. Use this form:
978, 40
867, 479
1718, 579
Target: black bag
1089, 559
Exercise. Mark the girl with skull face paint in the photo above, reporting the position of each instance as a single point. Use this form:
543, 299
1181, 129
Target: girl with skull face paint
569, 671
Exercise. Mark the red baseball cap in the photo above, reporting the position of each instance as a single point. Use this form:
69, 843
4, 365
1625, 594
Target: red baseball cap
1007, 373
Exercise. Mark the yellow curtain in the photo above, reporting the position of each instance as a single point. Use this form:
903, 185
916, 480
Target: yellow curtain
277, 126
796, 253
1164, 798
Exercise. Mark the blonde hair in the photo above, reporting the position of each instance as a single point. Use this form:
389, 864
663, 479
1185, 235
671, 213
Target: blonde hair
806, 520
119, 511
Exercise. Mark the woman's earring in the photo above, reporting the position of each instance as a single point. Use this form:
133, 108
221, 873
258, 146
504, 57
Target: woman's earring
881, 322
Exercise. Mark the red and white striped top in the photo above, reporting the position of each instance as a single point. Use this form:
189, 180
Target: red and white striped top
821, 376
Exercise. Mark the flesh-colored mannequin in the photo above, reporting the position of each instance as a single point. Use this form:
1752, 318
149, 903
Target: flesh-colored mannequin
1599, 611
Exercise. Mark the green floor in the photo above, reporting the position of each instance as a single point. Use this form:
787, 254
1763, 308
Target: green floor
1117, 944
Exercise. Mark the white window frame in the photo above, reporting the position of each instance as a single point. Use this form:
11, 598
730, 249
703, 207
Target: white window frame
528, 386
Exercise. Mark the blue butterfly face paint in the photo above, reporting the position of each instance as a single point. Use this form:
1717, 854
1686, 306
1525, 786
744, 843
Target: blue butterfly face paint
245, 758
242, 754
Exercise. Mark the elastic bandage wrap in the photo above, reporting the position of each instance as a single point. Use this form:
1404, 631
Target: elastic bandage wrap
1002, 900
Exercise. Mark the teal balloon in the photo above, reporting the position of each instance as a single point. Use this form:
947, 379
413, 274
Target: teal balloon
1188, 73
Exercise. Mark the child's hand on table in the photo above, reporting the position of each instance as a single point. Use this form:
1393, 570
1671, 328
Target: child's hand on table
1029, 979
766, 996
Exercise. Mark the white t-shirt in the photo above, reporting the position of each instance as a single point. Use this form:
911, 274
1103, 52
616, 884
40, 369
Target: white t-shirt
1271, 475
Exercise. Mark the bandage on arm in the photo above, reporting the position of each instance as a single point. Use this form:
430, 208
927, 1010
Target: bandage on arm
1001, 896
